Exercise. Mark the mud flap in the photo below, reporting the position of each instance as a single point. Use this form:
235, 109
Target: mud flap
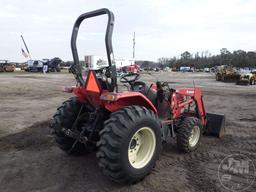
215, 125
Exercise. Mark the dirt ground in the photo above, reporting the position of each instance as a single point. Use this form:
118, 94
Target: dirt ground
30, 160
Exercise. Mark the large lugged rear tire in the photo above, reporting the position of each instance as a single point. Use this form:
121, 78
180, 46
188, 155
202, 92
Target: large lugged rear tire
64, 118
129, 144
218, 77
252, 81
189, 134
58, 69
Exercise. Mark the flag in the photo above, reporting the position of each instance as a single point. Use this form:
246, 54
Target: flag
24, 53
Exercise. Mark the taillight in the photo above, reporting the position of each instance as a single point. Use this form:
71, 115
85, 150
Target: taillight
109, 97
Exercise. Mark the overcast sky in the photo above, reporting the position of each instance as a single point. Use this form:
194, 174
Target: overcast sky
164, 28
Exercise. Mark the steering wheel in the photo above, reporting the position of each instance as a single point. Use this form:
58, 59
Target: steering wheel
133, 77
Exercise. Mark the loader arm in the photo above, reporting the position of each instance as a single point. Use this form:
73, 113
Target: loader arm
214, 124
195, 95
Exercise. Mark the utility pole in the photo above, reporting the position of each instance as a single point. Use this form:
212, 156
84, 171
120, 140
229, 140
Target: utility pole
25, 46
133, 54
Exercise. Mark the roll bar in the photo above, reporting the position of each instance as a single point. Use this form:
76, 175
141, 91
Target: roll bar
108, 41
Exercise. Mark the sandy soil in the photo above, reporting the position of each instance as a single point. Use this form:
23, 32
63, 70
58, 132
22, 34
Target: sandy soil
30, 160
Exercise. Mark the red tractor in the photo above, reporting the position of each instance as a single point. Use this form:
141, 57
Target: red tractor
133, 69
127, 128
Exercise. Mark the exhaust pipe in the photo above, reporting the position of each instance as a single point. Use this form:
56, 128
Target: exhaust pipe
215, 125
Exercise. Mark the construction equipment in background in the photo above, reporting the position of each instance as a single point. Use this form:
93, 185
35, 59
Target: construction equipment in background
53, 64
34, 66
247, 78
5, 66
226, 73
37, 65
127, 128
23, 66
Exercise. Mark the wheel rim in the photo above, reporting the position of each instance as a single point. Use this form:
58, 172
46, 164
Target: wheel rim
194, 136
141, 147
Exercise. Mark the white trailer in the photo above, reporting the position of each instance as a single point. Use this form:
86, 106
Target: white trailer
94, 62
124, 62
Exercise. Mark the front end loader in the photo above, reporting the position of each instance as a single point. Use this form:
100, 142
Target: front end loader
227, 73
247, 78
127, 128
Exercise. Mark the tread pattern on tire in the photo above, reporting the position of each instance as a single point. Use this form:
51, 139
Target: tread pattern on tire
184, 131
115, 129
64, 118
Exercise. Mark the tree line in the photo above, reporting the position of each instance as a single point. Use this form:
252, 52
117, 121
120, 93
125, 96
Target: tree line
238, 58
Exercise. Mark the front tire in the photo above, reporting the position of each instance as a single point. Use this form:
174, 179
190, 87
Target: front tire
189, 134
129, 144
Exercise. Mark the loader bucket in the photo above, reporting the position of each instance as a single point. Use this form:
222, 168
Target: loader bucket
215, 125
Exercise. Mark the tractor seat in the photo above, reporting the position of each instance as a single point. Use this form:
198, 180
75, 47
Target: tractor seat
141, 87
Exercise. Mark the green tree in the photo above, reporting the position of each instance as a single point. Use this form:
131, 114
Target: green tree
186, 55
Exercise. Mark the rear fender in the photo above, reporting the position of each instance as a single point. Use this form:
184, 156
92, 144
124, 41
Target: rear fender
125, 99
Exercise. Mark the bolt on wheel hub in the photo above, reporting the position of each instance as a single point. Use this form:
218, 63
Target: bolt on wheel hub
194, 136
141, 147
133, 144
